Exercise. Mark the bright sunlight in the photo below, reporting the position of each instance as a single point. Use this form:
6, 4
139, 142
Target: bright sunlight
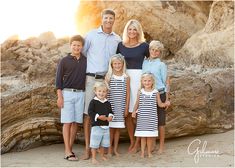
27, 18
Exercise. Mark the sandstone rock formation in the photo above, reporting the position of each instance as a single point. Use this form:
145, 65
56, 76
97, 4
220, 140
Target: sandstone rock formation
202, 87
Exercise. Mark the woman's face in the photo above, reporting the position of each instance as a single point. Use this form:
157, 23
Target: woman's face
132, 32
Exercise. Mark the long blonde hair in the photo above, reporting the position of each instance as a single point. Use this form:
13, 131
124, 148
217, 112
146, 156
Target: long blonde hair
119, 57
145, 75
139, 29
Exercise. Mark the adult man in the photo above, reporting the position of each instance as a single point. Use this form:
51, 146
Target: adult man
100, 45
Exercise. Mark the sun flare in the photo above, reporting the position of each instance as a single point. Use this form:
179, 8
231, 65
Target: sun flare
27, 18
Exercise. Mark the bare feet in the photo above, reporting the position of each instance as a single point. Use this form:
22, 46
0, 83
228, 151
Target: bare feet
116, 153
142, 155
86, 155
104, 158
94, 161
130, 147
150, 155
134, 151
160, 151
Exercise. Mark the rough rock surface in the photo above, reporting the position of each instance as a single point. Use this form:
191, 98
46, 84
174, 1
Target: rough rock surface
202, 96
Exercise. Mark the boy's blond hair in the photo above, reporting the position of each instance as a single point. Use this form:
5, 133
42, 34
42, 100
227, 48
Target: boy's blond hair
77, 38
100, 84
156, 45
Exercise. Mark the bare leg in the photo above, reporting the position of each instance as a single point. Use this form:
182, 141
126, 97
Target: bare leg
154, 144
87, 130
162, 139
130, 128
73, 132
116, 140
102, 153
112, 130
143, 145
149, 146
136, 146
93, 153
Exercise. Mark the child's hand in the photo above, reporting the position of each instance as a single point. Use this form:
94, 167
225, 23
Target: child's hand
102, 117
110, 118
167, 104
133, 114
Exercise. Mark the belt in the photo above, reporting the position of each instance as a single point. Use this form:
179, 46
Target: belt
73, 90
95, 75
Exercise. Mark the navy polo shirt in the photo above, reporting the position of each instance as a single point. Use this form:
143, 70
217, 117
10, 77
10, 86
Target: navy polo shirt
71, 73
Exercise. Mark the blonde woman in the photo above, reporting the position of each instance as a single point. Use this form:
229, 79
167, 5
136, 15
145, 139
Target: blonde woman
119, 95
134, 49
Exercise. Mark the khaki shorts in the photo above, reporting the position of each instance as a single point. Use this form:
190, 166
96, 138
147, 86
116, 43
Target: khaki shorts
89, 93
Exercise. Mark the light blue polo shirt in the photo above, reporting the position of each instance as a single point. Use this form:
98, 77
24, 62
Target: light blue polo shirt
99, 47
159, 69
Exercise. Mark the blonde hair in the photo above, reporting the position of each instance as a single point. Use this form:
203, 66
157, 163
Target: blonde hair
119, 57
100, 84
139, 29
147, 74
156, 45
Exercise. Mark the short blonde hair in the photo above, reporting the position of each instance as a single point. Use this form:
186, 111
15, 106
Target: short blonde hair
119, 57
100, 84
156, 45
139, 29
147, 74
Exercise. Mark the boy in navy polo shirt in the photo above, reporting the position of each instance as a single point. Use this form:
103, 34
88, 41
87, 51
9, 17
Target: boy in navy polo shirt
70, 85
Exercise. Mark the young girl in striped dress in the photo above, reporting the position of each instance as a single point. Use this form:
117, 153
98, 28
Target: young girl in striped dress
119, 95
146, 110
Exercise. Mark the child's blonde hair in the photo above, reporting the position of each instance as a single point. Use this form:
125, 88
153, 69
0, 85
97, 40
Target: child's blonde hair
156, 45
100, 84
149, 75
119, 57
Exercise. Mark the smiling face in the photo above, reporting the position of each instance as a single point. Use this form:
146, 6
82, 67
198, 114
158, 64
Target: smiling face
147, 82
107, 21
76, 47
132, 32
101, 92
154, 53
117, 65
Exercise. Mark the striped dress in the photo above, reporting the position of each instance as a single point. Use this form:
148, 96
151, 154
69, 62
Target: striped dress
147, 120
117, 98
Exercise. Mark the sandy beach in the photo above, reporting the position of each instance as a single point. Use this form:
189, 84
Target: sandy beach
211, 150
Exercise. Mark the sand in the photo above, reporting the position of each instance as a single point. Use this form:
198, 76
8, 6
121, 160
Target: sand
216, 150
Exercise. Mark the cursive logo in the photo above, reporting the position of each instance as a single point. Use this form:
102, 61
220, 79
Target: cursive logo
194, 149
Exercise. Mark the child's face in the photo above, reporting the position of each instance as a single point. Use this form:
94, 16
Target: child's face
154, 53
117, 65
76, 47
147, 82
101, 92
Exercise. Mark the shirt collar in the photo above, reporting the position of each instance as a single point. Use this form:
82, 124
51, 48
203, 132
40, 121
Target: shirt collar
100, 30
72, 57
156, 59
102, 101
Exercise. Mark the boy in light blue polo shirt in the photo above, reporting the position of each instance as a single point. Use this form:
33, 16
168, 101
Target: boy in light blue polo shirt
154, 65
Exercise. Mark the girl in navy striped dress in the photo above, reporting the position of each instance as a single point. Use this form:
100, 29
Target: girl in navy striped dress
146, 111
119, 95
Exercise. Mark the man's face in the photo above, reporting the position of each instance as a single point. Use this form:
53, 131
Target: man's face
108, 21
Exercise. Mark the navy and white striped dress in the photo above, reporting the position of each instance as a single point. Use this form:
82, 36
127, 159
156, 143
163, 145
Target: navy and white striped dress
147, 120
117, 98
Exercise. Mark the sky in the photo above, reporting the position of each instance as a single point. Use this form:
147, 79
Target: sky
27, 18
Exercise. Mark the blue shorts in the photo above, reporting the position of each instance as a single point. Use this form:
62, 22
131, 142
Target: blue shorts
99, 137
73, 107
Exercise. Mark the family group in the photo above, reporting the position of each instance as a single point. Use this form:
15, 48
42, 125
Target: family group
110, 83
